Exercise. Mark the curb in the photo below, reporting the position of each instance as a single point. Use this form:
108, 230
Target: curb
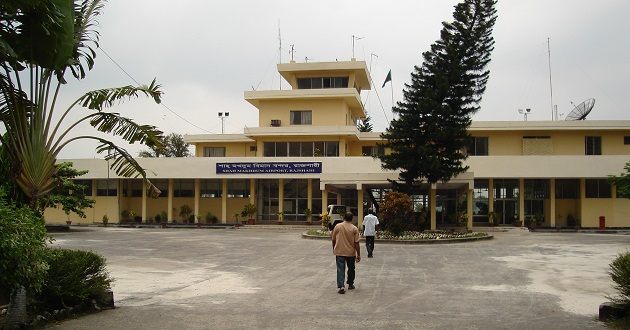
413, 242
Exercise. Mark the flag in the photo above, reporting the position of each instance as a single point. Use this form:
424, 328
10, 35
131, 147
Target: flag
388, 78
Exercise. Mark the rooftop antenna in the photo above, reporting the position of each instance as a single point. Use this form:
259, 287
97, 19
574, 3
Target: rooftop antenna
279, 51
550, 84
581, 110
292, 51
306, 59
353, 39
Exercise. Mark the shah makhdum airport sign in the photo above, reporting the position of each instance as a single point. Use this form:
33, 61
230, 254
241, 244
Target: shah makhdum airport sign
269, 167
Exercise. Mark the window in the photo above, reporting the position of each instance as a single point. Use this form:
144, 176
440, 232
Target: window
322, 82
214, 151
301, 149
209, 188
184, 188
593, 145
626, 140
238, 188
86, 187
598, 188
567, 188
479, 147
302, 117
161, 184
372, 150
481, 205
106, 187
536, 191
136, 188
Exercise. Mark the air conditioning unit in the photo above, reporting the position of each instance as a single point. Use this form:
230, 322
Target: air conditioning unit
275, 122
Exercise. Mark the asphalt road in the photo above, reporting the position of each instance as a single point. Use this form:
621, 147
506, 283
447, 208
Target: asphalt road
272, 279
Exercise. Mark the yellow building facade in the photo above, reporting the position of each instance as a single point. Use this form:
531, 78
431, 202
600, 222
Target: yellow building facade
307, 153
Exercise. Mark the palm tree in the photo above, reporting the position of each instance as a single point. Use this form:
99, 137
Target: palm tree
39, 42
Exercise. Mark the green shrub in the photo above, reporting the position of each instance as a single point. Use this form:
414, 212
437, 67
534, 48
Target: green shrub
74, 277
22, 247
620, 274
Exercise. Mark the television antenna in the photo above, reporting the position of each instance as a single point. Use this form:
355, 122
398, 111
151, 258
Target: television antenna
581, 110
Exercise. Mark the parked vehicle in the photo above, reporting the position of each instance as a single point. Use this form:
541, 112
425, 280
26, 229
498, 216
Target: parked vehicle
336, 213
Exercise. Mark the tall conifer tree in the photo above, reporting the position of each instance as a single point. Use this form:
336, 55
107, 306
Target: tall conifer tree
427, 137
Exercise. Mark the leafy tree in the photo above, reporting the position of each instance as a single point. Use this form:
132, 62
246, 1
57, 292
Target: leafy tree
68, 193
430, 132
40, 40
396, 209
365, 125
173, 145
622, 182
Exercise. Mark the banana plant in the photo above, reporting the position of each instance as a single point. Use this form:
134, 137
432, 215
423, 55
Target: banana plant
40, 42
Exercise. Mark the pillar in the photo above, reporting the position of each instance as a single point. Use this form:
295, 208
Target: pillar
170, 200
224, 215
197, 195
144, 201
360, 205
309, 197
552, 202
281, 197
469, 208
432, 205
521, 198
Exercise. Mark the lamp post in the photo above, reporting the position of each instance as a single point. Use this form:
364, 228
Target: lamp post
524, 113
223, 115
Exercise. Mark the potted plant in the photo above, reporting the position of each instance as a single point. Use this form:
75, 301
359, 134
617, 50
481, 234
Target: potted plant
235, 216
280, 215
539, 219
125, 215
308, 214
494, 217
105, 220
571, 221
249, 210
184, 212
210, 217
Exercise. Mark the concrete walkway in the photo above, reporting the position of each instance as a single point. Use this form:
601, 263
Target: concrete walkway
274, 279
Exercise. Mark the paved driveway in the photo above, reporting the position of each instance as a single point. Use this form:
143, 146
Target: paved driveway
270, 279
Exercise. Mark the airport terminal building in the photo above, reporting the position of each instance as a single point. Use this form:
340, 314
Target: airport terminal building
307, 153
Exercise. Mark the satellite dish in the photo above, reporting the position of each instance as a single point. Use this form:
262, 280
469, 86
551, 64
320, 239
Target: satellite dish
581, 110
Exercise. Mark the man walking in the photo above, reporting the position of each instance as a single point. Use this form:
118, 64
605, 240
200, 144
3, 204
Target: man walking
370, 228
345, 241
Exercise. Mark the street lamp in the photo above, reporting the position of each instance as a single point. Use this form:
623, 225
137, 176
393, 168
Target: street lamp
524, 112
223, 115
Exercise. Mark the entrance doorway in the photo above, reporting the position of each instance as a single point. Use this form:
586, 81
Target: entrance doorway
508, 210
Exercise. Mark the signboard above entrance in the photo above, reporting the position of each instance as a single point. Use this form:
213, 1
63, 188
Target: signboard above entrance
269, 168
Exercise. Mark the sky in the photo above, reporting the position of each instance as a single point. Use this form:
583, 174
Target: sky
205, 54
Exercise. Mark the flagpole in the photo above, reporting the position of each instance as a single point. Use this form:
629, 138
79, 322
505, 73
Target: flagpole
391, 85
